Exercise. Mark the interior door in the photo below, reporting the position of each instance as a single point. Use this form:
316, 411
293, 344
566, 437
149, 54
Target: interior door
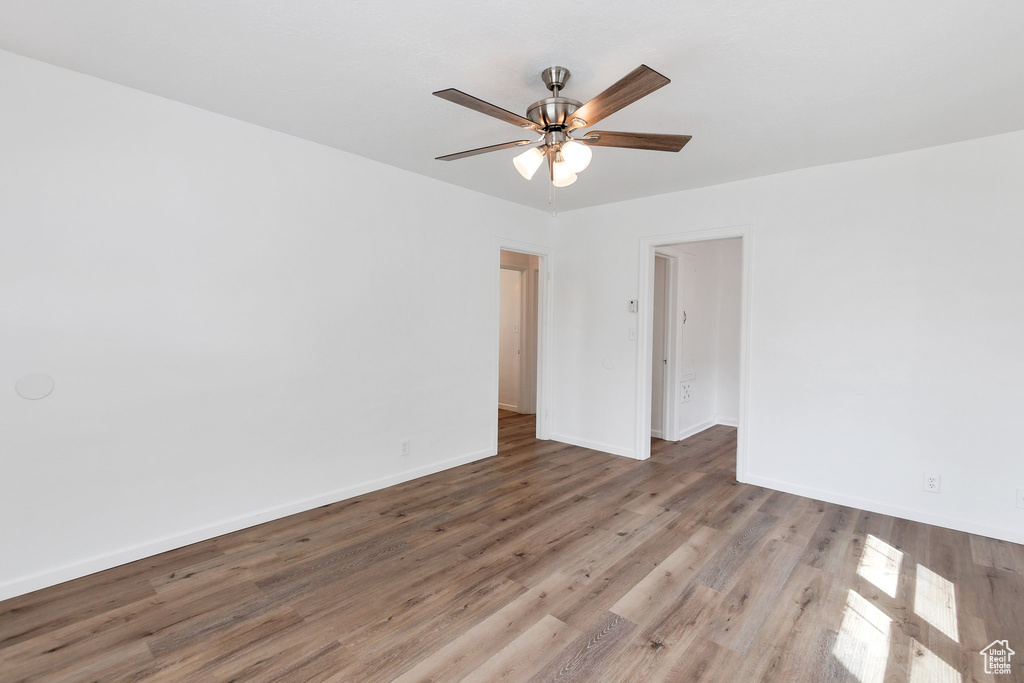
509, 339
659, 356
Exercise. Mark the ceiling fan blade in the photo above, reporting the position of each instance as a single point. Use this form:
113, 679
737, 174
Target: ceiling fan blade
483, 150
655, 141
476, 104
638, 83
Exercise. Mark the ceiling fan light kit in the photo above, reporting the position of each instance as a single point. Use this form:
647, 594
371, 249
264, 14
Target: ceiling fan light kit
557, 117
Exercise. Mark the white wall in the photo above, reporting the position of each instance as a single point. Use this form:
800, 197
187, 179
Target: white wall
241, 324
885, 333
698, 338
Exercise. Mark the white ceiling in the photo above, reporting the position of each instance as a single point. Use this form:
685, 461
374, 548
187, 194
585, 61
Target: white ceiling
763, 87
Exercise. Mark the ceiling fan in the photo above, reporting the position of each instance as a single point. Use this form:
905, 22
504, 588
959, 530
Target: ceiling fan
556, 118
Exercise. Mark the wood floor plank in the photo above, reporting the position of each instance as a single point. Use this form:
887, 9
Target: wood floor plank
582, 659
650, 596
469, 651
545, 562
752, 599
655, 649
526, 655
721, 571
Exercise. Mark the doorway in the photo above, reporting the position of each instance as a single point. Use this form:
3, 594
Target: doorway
692, 371
523, 287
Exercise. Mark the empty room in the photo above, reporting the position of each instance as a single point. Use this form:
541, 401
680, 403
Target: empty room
465, 341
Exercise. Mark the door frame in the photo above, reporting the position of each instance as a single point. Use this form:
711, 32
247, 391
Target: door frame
645, 333
544, 324
669, 398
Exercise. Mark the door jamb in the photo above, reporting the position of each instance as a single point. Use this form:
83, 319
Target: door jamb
669, 420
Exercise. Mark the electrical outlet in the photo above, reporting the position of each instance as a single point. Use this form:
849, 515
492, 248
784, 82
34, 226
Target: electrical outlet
405, 448
687, 391
1020, 498
932, 483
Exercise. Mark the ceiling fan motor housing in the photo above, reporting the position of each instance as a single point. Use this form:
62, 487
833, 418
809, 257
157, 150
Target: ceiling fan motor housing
553, 113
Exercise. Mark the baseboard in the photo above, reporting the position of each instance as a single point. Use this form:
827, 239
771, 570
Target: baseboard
695, 429
593, 445
882, 507
657, 434
75, 570
728, 421
506, 406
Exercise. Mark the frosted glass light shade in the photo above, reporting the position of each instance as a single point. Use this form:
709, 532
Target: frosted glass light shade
528, 162
563, 176
577, 155
566, 181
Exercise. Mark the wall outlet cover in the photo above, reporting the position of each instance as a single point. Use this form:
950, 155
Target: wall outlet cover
405, 448
932, 483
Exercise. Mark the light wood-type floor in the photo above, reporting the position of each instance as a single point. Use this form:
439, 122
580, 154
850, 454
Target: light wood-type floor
546, 562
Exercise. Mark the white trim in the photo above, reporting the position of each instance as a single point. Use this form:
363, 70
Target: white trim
728, 421
658, 434
696, 429
506, 406
642, 423
593, 445
544, 326
91, 565
1011, 534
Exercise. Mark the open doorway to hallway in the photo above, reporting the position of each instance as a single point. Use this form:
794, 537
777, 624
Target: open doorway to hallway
519, 305
695, 337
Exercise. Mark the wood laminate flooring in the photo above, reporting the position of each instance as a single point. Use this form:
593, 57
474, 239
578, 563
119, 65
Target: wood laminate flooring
546, 562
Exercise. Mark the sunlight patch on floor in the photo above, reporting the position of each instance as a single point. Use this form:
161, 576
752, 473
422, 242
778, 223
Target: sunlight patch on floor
935, 602
927, 667
880, 564
862, 645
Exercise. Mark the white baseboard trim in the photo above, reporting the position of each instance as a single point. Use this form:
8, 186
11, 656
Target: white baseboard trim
593, 445
657, 434
728, 421
1005, 534
91, 565
506, 406
695, 429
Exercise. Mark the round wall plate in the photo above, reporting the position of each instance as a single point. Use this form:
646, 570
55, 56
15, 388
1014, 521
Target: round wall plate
34, 386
